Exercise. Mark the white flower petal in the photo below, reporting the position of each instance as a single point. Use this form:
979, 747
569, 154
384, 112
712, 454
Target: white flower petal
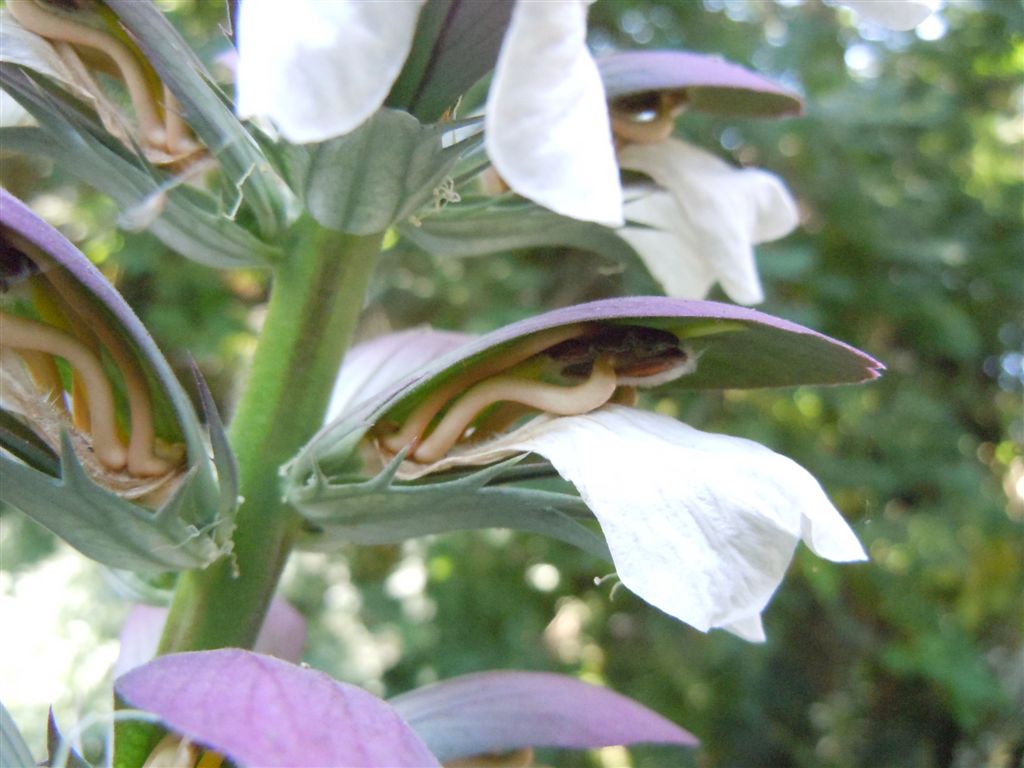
670, 252
373, 366
700, 525
319, 69
721, 212
750, 629
895, 14
547, 128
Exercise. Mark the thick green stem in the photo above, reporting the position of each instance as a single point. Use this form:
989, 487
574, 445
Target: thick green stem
314, 306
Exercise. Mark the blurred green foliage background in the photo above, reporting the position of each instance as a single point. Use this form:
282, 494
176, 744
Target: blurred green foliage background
909, 168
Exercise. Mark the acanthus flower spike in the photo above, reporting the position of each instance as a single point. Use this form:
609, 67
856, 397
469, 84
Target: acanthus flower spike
700, 525
110, 453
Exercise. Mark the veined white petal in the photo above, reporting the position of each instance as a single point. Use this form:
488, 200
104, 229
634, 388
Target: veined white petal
319, 69
721, 213
547, 128
671, 253
700, 525
373, 366
894, 14
750, 629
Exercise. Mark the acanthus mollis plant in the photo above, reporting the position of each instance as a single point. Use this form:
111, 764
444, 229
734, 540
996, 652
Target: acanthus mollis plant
350, 136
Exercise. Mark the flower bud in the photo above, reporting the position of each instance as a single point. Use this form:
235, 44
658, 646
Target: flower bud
111, 451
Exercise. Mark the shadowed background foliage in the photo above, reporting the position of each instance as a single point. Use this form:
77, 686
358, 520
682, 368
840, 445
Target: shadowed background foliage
909, 168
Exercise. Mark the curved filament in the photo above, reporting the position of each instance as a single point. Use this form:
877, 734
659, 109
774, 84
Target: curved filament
418, 421
22, 334
178, 135
141, 458
549, 398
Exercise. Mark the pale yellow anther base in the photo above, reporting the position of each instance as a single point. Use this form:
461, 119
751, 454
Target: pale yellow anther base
21, 334
175, 752
634, 132
627, 128
548, 398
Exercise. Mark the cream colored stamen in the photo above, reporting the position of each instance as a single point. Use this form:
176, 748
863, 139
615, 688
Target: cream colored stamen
143, 460
418, 421
548, 398
22, 334
52, 26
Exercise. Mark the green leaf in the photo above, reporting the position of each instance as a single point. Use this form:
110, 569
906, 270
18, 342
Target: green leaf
107, 528
379, 174
507, 225
13, 749
206, 111
379, 511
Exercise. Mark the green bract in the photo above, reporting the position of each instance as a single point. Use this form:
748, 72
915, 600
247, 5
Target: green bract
380, 174
101, 444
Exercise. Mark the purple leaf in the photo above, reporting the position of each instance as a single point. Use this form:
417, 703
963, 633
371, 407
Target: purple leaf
711, 83
261, 711
502, 711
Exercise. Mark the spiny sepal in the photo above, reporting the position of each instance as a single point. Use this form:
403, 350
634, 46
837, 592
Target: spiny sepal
108, 528
379, 510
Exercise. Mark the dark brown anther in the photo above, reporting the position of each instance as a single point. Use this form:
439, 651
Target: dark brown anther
65, 5
15, 265
636, 351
